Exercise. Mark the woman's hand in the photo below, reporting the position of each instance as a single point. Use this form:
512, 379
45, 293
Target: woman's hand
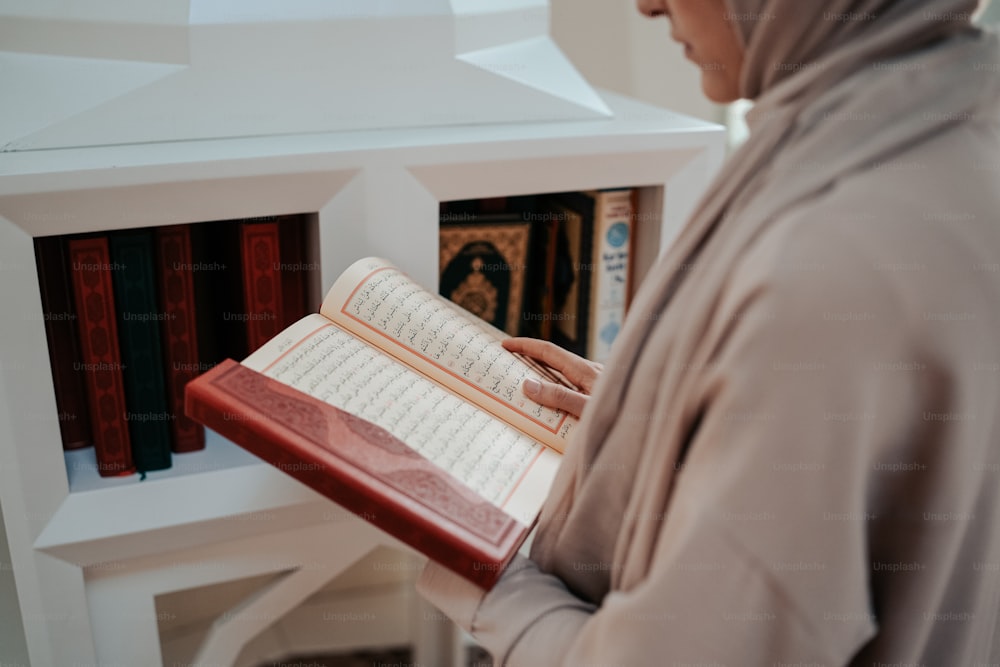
581, 372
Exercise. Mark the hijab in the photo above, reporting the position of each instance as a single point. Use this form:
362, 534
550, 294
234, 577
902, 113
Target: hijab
807, 65
781, 38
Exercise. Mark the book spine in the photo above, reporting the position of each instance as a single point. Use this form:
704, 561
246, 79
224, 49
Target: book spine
585, 274
574, 213
261, 259
295, 269
90, 270
541, 299
218, 292
64, 344
175, 264
360, 466
139, 325
611, 261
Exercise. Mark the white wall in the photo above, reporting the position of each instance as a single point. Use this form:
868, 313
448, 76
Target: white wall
991, 15
617, 48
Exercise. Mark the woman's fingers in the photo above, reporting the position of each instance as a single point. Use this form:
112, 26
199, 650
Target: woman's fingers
556, 396
581, 372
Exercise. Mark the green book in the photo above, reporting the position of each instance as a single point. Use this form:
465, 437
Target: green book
139, 321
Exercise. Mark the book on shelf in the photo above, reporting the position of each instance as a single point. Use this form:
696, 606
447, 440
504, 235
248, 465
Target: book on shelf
260, 242
245, 293
550, 274
403, 408
296, 270
611, 265
94, 299
179, 331
139, 317
595, 229
484, 266
65, 356
217, 293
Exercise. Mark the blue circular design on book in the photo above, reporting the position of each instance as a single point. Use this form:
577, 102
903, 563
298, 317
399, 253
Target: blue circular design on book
618, 234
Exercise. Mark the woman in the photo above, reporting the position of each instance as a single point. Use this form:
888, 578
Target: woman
792, 455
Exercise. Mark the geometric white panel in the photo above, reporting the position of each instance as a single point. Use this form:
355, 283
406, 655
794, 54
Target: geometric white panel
551, 73
205, 69
42, 90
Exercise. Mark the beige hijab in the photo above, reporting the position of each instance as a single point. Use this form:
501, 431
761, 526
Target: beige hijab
808, 65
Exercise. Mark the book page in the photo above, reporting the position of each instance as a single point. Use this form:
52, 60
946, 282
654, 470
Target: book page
501, 464
381, 304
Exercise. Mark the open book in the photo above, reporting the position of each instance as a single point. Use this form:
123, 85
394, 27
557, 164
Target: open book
403, 408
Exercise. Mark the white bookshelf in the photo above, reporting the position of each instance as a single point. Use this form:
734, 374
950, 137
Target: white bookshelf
91, 555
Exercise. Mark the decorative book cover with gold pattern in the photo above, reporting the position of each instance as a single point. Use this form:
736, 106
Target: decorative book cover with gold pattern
484, 265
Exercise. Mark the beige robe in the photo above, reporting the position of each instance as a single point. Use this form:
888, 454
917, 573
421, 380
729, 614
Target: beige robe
793, 455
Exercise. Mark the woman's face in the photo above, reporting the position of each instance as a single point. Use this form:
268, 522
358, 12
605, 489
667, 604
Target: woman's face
707, 31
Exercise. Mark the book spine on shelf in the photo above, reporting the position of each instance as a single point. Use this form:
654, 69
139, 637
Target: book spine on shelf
295, 269
139, 325
360, 466
574, 216
611, 262
217, 292
68, 379
261, 258
175, 264
90, 271
538, 317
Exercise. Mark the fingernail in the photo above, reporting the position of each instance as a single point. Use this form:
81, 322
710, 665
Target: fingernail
532, 387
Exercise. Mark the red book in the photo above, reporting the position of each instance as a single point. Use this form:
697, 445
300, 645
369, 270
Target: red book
90, 271
64, 346
175, 266
360, 466
404, 409
261, 263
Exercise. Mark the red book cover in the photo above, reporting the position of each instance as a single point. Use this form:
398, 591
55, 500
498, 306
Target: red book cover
64, 346
360, 466
90, 271
175, 264
261, 262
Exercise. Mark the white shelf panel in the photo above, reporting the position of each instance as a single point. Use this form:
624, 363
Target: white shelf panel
635, 126
217, 494
219, 454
